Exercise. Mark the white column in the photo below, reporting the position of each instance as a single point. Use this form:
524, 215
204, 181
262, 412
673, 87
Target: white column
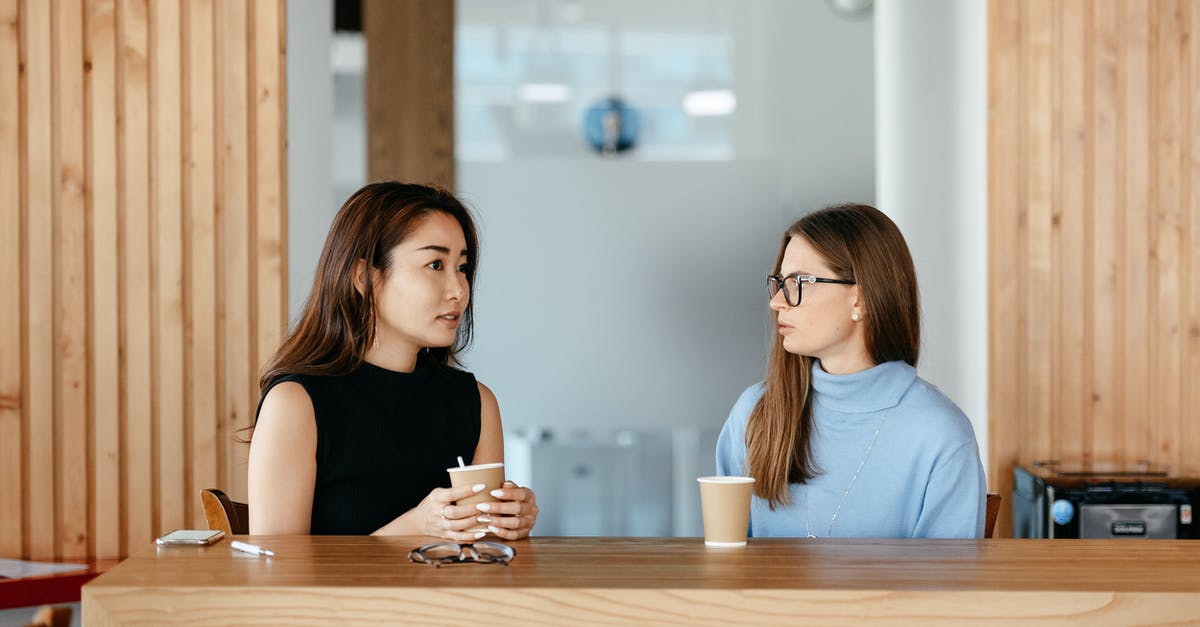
310, 141
931, 178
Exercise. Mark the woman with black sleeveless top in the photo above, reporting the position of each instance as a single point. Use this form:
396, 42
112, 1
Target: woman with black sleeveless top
362, 409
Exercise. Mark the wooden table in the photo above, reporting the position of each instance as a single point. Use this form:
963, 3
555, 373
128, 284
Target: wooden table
559, 581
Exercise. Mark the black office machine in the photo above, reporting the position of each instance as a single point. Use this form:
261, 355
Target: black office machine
1053, 499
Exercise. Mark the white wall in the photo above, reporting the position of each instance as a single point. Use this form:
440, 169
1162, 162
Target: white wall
931, 60
621, 294
309, 142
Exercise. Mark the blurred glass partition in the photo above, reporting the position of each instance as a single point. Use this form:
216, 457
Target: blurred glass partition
527, 73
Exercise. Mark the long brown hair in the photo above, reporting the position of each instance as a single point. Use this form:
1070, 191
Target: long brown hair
862, 244
338, 323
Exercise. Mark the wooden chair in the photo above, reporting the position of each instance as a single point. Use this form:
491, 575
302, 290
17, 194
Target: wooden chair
52, 616
993, 508
222, 513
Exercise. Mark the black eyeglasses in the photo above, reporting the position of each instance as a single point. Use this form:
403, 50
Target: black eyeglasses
440, 553
790, 285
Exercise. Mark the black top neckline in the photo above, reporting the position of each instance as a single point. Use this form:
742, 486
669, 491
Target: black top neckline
379, 374
417, 368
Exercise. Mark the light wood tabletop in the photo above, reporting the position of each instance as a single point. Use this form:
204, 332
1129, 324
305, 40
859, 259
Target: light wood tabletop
656, 580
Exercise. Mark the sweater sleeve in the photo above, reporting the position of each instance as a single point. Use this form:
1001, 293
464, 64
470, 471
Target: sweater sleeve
955, 497
729, 462
731, 444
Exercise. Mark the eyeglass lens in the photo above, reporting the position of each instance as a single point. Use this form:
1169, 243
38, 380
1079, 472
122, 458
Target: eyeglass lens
790, 286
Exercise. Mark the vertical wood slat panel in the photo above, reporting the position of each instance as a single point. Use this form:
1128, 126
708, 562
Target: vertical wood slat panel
114, 406
1136, 171
1024, 416
1052, 434
410, 50
40, 274
1184, 457
233, 215
1039, 205
166, 191
137, 374
12, 476
104, 309
200, 201
1189, 449
1164, 281
270, 254
71, 411
1004, 201
1106, 366
1073, 205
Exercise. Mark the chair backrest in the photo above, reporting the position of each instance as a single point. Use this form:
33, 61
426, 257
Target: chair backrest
52, 616
993, 508
221, 513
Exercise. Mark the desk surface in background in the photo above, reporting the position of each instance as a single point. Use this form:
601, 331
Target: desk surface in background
656, 580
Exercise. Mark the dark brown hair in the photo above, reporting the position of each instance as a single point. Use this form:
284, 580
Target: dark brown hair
862, 244
338, 322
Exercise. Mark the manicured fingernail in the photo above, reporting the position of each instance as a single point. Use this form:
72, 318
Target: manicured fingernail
483, 507
497, 493
483, 519
478, 487
480, 534
493, 530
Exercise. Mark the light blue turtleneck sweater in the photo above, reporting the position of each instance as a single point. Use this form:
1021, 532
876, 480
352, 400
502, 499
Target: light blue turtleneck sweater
922, 479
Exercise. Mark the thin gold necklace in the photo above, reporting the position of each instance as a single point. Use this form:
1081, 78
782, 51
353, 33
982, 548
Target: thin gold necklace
846, 492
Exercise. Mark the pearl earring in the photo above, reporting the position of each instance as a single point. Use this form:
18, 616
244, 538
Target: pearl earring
855, 317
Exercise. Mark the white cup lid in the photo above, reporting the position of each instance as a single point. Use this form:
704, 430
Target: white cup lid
477, 467
725, 479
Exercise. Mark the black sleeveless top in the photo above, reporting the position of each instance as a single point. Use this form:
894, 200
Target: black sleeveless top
385, 439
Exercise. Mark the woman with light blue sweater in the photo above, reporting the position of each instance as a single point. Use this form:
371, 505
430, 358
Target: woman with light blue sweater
843, 438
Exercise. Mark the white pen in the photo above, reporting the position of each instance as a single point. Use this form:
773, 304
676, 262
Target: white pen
250, 548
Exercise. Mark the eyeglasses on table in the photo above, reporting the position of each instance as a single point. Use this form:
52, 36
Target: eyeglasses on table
439, 553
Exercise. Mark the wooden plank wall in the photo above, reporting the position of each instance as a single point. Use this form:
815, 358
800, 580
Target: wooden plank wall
143, 250
410, 91
1094, 234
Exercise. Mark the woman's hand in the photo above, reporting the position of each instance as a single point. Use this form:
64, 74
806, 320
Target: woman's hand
514, 516
437, 515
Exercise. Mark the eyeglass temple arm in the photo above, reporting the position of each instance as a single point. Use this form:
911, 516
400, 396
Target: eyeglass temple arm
807, 278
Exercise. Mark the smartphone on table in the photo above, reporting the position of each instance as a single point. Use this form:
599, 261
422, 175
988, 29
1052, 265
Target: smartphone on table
192, 537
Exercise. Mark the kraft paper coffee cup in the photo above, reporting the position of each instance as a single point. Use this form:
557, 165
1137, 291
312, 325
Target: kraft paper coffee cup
490, 475
725, 506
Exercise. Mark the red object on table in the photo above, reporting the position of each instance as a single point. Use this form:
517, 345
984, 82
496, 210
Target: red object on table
49, 589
